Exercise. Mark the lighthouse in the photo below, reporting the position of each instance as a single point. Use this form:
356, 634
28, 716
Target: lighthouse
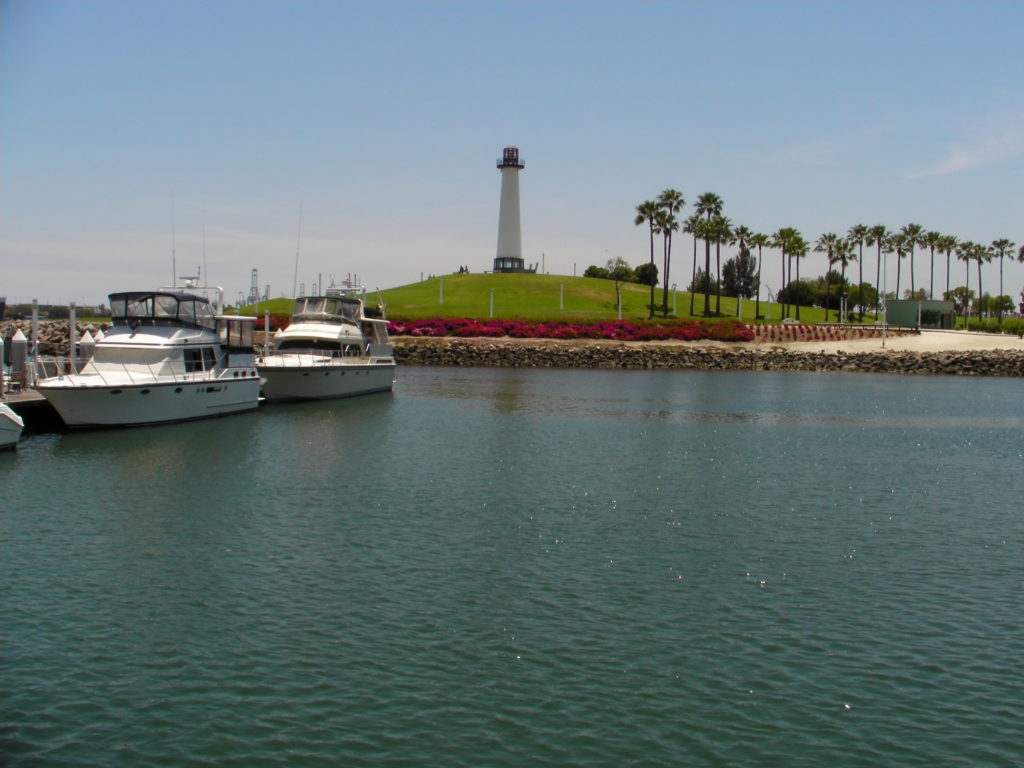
509, 257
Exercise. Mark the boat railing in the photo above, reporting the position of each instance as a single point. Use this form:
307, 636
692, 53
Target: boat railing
59, 367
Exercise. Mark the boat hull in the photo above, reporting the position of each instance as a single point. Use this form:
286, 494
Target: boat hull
152, 403
324, 382
10, 427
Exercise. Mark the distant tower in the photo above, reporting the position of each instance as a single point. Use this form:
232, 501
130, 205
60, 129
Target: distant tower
510, 249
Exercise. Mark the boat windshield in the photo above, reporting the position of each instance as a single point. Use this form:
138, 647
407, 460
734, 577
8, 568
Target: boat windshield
326, 309
159, 308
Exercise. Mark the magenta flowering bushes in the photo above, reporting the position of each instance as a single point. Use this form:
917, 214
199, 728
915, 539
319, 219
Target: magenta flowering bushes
680, 330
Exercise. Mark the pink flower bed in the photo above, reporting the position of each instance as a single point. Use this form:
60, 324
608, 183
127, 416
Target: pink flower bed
727, 330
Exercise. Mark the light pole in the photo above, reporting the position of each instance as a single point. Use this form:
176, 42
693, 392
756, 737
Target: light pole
675, 310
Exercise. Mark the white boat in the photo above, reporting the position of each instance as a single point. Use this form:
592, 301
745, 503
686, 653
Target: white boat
332, 347
10, 427
170, 356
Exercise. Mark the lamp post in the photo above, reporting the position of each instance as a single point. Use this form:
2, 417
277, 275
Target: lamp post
675, 310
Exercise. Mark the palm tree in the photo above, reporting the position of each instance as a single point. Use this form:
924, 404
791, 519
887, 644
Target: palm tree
798, 249
948, 244
762, 241
843, 256
782, 240
965, 252
667, 224
912, 234
740, 235
982, 255
692, 227
898, 243
1000, 247
827, 244
878, 235
856, 235
721, 229
931, 240
645, 213
672, 202
708, 205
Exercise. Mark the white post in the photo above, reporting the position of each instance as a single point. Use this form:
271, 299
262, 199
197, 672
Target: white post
492, 302
561, 296
266, 329
675, 300
72, 339
620, 305
441, 301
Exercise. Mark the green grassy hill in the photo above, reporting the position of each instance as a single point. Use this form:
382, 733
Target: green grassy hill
538, 297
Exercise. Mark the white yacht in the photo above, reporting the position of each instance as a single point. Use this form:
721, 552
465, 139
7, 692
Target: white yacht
332, 347
10, 427
170, 356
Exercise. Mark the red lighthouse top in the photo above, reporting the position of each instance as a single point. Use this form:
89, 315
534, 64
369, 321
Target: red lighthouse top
510, 159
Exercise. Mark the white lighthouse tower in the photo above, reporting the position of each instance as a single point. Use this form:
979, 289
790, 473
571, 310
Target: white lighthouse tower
510, 248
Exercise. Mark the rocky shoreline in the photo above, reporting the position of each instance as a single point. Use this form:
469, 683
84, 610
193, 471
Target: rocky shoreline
655, 356
649, 355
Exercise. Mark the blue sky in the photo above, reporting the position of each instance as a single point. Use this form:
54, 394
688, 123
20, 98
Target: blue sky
131, 129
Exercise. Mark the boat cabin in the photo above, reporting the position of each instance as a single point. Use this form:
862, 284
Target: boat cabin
137, 308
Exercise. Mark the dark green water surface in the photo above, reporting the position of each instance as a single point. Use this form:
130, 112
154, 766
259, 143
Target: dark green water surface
497, 567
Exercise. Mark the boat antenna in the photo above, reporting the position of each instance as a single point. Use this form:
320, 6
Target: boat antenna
298, 242
206, 277
174, 256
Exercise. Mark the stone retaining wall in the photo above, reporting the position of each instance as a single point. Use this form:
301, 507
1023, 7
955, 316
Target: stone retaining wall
650, 355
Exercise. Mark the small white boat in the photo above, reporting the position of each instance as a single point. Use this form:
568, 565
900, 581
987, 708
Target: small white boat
332, 347
170, 356
10, 427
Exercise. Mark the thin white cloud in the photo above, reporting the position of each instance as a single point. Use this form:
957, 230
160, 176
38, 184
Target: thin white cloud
1005, 146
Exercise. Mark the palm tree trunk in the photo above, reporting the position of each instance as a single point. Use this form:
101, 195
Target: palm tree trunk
860, 280
912, 286
718, 277
899, 264
707, 273
668, 261
931, 276
693, 279
828, 291
797, 302
878, 281
757, 303
651, 315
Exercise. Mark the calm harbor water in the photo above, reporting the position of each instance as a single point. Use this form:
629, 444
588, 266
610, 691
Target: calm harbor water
499, 567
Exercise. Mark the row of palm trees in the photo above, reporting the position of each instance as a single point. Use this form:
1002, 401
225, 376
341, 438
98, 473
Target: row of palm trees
708, 224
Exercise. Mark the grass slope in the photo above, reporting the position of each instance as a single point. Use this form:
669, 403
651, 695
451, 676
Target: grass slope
538, 297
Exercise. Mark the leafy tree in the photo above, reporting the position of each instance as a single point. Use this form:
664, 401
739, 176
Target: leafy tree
919, 295
797, 293
647, 274
596, 271
702, 283
619, 269
1001, 305
739, 275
